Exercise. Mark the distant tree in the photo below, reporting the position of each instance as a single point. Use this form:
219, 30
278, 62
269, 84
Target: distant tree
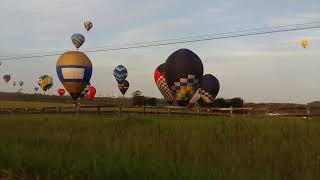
236, 102
138, 99
137, 93
151, 101
221, 103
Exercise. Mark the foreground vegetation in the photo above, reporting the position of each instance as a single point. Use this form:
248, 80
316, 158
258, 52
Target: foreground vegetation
149, 147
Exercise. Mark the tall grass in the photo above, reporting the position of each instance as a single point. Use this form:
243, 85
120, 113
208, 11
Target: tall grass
150, 147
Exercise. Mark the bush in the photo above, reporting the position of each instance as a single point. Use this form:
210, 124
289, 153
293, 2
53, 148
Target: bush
236, 102
138, 100
151, 101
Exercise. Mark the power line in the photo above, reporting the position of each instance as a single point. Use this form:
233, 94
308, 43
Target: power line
176, 41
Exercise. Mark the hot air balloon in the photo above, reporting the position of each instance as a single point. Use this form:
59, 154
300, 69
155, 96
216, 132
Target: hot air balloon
77, 40
35, 89
21, 83
194, 99
159, 78
91, 94
0, 63
123, 87
209, 88
120, 73
7, 78
74, 70
304, 43
45, 82
14, 83
61, 91
88, 25
183, 72
85, 91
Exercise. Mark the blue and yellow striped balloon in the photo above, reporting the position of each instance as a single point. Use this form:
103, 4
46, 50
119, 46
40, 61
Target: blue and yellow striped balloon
74, 70
77, 40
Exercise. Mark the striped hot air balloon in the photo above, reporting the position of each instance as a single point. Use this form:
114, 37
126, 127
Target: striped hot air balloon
74, 70
159, 78
77, 40
120, 73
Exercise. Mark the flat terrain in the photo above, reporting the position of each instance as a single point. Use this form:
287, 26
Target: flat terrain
156, 147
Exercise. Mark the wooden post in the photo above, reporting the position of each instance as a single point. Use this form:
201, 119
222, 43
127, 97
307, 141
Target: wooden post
267, 112
199, 112
231, 111
120, 110
26, 110
308, 113
169, 111
98, 109
144, 110
60, 109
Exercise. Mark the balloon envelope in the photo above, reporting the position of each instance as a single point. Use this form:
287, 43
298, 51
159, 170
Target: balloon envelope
61, 91
88, 25
77, 40
304, 43
91, 94
183, 72
14, 83
45, 82
21, 83
123, 86
36, 89
74, 70
209, 88
160, 80
120, 73
7, 78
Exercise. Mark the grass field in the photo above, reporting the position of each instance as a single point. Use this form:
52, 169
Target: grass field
24, 104
155, 147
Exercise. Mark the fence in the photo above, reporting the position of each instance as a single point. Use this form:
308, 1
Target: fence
172, 110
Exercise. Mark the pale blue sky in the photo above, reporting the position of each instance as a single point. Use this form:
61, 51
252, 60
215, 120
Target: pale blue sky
267, 68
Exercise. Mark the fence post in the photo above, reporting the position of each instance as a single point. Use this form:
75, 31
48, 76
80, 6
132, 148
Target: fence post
144, 109
60, 109
231, 111
98, 109
169, 112
26, 110
308, 112
120, 110
199, 112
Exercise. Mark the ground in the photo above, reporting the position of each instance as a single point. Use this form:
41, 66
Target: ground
156, 147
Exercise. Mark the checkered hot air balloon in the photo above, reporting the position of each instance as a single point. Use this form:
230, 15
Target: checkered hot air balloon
77, 40
120, 73
183, 71
160, 80
45, 82
74, 70
209, 88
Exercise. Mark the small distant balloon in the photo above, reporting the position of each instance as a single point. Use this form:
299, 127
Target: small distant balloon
88, 25
91, 94
61, 91
77, 40
45, 82
304, 43
14, 83
36, 89
123, 87
120, 73
21, 83
7, 78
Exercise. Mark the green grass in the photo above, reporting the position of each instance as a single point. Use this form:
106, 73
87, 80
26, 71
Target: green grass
155, 147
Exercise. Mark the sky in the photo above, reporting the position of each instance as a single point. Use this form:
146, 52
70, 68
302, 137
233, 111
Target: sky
265, 68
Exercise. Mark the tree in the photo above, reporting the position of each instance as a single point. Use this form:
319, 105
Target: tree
138, 99
236, 102
221, 103
151, 101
